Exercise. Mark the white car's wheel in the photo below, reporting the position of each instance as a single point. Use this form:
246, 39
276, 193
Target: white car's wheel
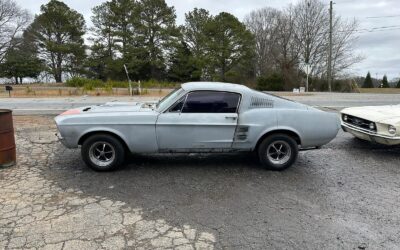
103, 152
278, 152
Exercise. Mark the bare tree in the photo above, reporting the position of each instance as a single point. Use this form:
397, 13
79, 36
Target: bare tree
312, 34
311, 31
344, 38
276, 46
263, 24
13, 20
286, 49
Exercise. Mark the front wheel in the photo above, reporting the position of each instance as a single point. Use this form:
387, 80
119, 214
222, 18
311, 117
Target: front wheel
103, 152
278, 152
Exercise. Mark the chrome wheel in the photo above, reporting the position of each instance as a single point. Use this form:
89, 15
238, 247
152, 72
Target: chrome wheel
279, 152
102, 153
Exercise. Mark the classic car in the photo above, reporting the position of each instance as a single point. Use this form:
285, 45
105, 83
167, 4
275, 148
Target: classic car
201, 117
379, 124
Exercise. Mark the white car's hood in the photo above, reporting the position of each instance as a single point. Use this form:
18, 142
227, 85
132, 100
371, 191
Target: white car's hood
388, 113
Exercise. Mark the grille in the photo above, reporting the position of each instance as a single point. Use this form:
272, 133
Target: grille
257, 102
359, 122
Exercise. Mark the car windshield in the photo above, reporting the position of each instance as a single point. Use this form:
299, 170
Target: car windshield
161, 105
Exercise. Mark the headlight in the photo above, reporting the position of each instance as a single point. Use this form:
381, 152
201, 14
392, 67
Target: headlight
392, 130
345, 118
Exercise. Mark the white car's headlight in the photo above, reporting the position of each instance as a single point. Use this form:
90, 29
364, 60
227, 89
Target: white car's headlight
392, 130
345, 118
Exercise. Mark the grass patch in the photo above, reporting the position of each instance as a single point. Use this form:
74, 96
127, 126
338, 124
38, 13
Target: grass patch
91, 84
380, 90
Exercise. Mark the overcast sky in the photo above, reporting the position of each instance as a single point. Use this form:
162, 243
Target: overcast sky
381, 47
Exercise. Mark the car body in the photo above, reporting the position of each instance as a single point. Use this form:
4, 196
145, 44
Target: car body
380, 124
201, 117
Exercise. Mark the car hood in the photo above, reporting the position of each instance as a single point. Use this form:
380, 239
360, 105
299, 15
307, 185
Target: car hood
119, 107
388, 113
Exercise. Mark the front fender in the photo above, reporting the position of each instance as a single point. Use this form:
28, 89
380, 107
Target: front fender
101, 129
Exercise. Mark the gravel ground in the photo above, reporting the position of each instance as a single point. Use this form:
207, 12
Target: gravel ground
343, 196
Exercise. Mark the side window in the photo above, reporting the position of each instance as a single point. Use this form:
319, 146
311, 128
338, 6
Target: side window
177, 107
211, 102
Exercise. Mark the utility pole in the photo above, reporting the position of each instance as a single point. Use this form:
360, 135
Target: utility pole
330, 48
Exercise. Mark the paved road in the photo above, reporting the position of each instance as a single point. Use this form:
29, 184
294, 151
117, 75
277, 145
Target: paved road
343, 196
54, 106
57, 105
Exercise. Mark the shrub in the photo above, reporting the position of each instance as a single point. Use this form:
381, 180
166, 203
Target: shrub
76, 82
272, 82
86, 83
108, 87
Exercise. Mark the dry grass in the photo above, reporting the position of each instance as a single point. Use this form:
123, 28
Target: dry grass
380, 90
60, 91
290, 94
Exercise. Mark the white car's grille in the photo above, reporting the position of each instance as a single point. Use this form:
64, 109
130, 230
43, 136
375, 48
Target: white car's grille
359, 122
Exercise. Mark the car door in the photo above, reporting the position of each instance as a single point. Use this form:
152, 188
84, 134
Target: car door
199, 121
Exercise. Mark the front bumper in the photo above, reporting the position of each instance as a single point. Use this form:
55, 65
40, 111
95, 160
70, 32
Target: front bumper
59, 137
370, 136
66, 141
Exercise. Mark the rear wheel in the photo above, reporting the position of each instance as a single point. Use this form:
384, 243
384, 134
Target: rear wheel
278, 152
103, 152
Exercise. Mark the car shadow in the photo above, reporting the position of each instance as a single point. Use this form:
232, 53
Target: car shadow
199, 189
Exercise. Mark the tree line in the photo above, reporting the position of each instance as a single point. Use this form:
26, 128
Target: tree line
368, 82
270, 47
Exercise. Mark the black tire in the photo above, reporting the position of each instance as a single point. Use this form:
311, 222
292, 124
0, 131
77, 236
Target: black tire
288, 152
106, 161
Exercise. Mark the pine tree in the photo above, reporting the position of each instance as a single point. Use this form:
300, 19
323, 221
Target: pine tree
158, 33
368, 81
385, 83
230, 45
182, 67
398, 84
21, 61
58, 33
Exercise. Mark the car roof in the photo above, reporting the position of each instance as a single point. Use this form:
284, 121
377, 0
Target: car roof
217, 86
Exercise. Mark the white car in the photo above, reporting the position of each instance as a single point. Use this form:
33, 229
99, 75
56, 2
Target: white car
380, 124
198, 117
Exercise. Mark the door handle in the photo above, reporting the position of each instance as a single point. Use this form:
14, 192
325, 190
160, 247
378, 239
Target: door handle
231, 117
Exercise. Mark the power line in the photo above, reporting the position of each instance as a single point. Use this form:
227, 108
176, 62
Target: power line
370, 31
370, 17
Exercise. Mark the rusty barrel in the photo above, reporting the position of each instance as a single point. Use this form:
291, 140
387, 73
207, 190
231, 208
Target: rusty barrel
7, 139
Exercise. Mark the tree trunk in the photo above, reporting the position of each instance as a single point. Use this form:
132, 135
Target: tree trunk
16, 80
58, 71
20, 80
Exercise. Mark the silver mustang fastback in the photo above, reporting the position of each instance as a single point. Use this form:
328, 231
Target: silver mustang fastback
198, 117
